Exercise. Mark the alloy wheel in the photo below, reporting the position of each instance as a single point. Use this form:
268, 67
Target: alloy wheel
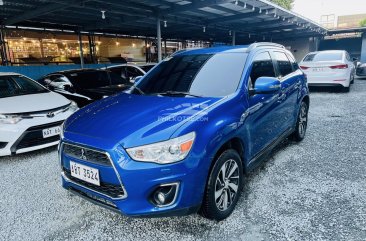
303, 120
227, 184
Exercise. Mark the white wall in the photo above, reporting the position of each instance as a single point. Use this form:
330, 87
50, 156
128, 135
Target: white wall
300, 47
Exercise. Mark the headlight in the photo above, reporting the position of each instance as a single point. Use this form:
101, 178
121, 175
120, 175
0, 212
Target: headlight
10, 119
73, 106
165, 152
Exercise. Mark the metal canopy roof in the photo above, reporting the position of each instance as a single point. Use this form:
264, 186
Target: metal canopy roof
214, 20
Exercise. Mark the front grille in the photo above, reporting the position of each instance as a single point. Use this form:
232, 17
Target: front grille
34, 139
86, 154
114, 191
33, 136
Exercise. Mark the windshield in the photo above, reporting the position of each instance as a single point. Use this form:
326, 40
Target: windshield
19, 85
324, 56
94, 79
208, 75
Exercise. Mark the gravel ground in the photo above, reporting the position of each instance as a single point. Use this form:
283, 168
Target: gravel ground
315, 190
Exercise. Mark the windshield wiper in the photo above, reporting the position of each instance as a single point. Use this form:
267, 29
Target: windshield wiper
177, 93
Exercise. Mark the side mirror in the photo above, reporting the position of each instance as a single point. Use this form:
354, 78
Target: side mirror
68, 88
266, 85
354, 59
136, 79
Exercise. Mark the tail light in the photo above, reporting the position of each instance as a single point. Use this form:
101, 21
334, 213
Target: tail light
341, 66
304, 67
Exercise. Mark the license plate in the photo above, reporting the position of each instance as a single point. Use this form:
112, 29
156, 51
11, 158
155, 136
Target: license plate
318, 69
85, 173
54, 131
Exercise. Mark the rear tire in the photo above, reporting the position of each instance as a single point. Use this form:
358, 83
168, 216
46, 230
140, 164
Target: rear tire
224, 186
346, 89
301, 123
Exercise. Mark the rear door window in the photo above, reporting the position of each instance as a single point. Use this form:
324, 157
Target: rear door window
283, 63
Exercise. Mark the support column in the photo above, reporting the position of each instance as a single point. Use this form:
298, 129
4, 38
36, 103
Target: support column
165, 49
158, 35
81, 51
4, 56
363, 49
234, 37
91, 48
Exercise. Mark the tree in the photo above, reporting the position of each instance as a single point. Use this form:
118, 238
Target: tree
363, 23
284, 3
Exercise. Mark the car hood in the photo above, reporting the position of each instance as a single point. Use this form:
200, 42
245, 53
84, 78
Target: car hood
133, 120
99, 93
32, 103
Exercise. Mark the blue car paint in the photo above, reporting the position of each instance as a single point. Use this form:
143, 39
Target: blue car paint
122, 121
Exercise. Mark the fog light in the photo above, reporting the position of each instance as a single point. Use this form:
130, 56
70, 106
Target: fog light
165, 194
161, 198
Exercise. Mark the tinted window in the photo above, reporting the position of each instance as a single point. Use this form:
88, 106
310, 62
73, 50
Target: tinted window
118, 80
293, 62
210, 75
117, 70
133, 72
18, 85
324, 56
262, 67
284, 65
89, 79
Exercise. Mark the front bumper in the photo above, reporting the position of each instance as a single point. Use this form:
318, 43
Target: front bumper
26, 135
139, 180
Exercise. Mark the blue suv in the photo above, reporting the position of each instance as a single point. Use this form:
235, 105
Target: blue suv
182, 138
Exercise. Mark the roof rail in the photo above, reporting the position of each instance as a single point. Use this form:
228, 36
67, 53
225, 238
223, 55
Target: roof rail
264, 44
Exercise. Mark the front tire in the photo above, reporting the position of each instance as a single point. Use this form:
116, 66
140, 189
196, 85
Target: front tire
301, 123
224, 186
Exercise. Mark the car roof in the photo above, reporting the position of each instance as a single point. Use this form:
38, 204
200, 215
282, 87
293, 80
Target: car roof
8, 73
213, 50
74, 71
328, 51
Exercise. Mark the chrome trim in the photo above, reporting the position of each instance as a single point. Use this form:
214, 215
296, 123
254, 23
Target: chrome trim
110, 159
177, 185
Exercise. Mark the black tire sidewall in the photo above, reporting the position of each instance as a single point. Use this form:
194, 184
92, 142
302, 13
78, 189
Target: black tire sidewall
211, 211
296, 135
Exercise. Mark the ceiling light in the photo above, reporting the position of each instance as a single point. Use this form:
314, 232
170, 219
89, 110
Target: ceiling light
253, 9
230, 33
204, 29
260, 10
245, 5
236, 2
1, 2
103, 14
165, 24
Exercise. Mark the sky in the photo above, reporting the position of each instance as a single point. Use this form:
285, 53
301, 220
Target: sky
313, 9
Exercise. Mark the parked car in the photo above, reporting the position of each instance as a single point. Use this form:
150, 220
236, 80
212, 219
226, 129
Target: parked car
131, 71
182, 139
30, 115
361, 69
85, 85
329, 68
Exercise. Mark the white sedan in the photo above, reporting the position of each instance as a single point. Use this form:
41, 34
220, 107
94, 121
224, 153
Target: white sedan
329, 68
30, 115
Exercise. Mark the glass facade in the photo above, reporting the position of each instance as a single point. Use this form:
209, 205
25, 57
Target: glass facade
25, 47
